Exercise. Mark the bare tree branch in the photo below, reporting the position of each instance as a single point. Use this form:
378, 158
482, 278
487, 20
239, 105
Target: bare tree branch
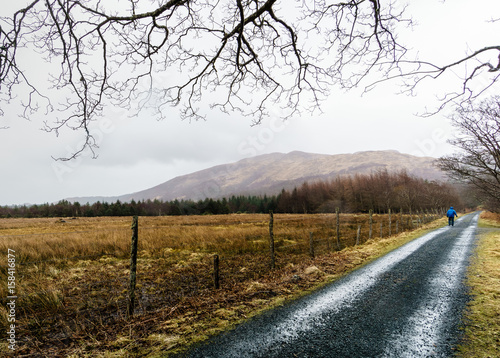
487, 72
478, 162
248, 56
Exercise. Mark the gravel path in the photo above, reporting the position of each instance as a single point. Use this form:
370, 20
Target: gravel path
408, 303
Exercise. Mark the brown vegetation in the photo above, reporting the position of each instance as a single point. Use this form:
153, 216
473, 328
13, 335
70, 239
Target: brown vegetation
72, 276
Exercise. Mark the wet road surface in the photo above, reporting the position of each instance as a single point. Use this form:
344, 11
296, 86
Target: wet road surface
408, 303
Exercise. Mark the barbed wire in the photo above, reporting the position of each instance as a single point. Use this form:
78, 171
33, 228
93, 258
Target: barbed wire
59, 259
261, 251
432, 217
118, 229
62, 233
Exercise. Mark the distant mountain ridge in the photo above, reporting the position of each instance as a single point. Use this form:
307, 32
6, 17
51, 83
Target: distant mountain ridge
270, 173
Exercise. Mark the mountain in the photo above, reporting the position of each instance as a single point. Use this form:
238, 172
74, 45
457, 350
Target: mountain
270, 173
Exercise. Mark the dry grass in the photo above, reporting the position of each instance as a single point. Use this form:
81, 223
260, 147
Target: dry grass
482, 333
76, 307
53, 239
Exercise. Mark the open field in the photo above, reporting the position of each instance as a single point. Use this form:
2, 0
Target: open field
72, 275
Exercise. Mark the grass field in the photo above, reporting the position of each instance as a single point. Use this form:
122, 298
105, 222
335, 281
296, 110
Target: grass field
72, 275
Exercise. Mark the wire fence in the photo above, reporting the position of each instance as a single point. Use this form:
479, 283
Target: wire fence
58, 295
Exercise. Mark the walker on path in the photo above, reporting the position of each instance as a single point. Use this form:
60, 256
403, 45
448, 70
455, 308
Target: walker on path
451, 213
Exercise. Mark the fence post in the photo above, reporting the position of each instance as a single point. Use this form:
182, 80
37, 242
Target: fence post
370, 232
381, 230
311, 245
216, 272
133, 267
390, 223
271, 239
338, 228
358, 234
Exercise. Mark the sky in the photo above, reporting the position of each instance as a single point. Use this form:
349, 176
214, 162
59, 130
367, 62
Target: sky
139, 152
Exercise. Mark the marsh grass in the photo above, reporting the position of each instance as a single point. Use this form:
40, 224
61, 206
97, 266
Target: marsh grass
72, 275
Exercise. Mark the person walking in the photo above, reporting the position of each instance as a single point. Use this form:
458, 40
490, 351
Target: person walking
451, 213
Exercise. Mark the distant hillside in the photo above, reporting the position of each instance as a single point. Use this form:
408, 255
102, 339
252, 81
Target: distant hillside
269, 173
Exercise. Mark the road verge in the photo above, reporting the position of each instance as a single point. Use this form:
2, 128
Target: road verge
482, 331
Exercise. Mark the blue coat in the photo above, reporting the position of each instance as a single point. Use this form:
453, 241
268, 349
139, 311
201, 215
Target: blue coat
451, 213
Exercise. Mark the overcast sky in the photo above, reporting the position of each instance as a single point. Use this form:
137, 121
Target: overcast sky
140, 152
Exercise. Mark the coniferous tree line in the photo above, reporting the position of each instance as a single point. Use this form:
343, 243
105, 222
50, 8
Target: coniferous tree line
379, 192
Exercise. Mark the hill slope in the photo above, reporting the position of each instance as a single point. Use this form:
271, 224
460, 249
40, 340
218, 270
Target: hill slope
269, 173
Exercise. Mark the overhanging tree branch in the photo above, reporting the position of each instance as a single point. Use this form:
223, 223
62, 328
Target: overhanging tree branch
478, 162
416, 72
235, 55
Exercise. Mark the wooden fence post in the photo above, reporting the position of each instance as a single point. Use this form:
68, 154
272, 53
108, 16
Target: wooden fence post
370, 232
216, 272
311, 245
390, 223
358, 234
133, 267
401, 219
271, 239
381, 230
338, 228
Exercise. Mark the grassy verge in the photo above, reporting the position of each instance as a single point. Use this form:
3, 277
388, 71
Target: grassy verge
482, 333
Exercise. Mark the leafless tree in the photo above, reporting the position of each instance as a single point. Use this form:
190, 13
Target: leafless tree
237, 55
478, 161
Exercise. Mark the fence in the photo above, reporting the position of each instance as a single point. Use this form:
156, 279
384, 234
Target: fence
59, 294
